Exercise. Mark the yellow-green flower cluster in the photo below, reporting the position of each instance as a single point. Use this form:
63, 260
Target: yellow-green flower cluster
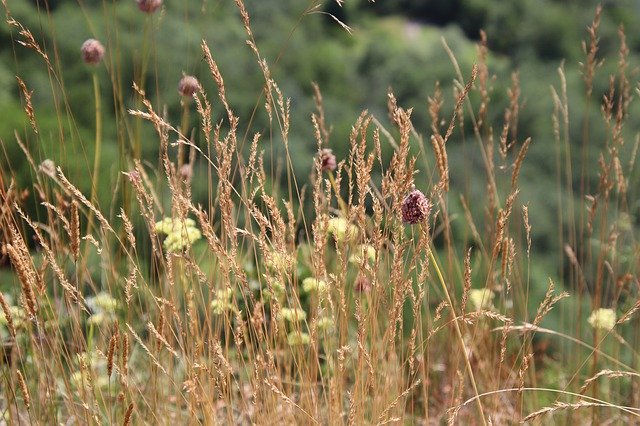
223, 301
292, 315
18, 315
275, 289
314, 285
277, 261
363, 251
604, 319
341, 229
324, 324
95, 372
179, 233
481, 299
297, 338
103, 308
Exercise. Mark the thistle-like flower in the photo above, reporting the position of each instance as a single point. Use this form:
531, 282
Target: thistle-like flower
327, 160
92, 51
188, 86
415, 207
149, 6
362, 284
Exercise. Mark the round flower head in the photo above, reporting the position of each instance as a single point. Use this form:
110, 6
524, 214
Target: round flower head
188, 86
415, 207
481, 299
327, 160
362, 284
149, 6
92, 51
603, 318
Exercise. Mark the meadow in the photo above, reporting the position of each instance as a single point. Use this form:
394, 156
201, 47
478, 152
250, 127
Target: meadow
174, 253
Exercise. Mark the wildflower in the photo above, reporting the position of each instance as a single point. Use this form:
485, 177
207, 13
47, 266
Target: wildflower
180, 233
314, 285
364, 251
481, 299
18, 316
275, 288
92, 51
219, 306
292, 315
324, 324
103, 308
97, 318
223, 301
188, 86
78, 379
296, 338
327, 160
362, 284
149, 6
186, 172
603, 318
102, 302
341, 229
278, 261
415, 207
48, 167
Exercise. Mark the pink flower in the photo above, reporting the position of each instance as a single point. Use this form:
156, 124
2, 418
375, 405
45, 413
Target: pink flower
149, 6
188, 86
327, 160
92, 51
415, 207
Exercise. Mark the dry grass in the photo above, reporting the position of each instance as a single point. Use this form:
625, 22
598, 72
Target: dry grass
247, 310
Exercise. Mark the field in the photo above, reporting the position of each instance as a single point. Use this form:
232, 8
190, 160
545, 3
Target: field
172, 252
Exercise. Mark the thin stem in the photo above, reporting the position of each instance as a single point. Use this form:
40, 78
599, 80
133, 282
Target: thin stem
434, 262
95, 178
341, 203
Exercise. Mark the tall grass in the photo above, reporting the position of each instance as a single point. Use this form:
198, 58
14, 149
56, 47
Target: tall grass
317, 303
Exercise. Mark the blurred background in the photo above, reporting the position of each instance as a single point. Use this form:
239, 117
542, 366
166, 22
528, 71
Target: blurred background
393, 45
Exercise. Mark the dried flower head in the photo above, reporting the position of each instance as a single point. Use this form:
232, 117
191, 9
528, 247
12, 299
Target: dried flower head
92, 51
415, 207
188, 86
149, 6
603, 318
327, 160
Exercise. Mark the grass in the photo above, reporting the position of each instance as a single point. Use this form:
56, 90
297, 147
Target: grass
318, 303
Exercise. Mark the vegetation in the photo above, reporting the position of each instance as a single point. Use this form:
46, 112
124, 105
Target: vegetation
269, 211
